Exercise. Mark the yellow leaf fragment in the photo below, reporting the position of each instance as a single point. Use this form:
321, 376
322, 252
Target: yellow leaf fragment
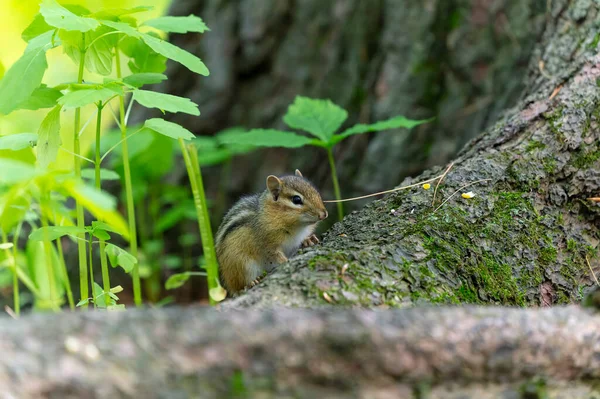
468, 195
426, 186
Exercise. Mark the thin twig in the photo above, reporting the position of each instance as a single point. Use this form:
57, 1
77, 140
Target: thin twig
457, 191
385, 192
10, 312
590, 266
440, 181
77, 155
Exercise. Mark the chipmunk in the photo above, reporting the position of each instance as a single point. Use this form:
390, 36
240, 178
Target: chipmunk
263, 230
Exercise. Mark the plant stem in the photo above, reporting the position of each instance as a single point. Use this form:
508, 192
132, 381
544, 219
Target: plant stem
63, 267
103, 261
190, 156
336, 184
135, 273
83, 277
92, 269
48, 254
16, 299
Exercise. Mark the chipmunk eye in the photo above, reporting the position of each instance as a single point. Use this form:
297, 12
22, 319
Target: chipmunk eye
296, 200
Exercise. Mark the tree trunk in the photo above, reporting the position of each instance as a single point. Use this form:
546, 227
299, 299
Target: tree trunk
444, 353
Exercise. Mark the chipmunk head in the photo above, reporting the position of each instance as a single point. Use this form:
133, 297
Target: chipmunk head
297, 196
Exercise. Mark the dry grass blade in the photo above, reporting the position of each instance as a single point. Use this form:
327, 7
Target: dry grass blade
592, 270
594, 199
440, 181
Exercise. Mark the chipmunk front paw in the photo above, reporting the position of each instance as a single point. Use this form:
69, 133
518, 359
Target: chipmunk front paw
310, 241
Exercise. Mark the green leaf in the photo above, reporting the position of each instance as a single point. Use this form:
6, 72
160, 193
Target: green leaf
35, 28
119, 257
80, 98
59, 17
15, 171
42, 97
105, 174
19, 141
49, 138
393, 123
14, 204
177, 280
234, 149
99, 56
122, 27
165, 102
139, 79
168, 129
54, 232
191, 23
25, 75
101, 234
96, 225
142, 59
268, 138
321, 118
176, 54
83, 302
2, 70
114, 13
100, 297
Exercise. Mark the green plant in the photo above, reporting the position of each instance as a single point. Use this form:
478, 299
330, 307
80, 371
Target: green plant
322, 119
95, 42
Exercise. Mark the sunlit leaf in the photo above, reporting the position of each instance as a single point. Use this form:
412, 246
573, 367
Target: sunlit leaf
267, 138
14, 204
2, 70
142, 59
19, 141
83, 302
36, 28
49, 138
113, 13
191, 23
168, 129
25, 75
59, 17
15, 171
42, 97
105, 174
37, 265
97, 225
140, 79
99, 56
321, 118
177, 280
393, 123
165, 102
119, 257
54, 232
80, 98
188, 60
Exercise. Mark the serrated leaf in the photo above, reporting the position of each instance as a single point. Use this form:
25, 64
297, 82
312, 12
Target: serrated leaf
105, 174
15, 171
168, 129
393, 123
191, 23
268, 138
59, 17
19, 141
49, 138
176, 54
54, 232
177, 280
25, 75
140, 79
321, 118
35, 28
119, 257
165, 102
42, 97
81, 98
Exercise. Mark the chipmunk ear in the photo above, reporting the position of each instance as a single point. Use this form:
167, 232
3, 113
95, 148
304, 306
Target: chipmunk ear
298, 173
274, 186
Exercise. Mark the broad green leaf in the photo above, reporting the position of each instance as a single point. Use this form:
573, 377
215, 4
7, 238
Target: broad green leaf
234, 149
321, 118
214, 157
99, 56
80, 98
168, 129
49, 138
54, 232
19, 141
142, 59
59, 17
105, 174
176, 54
35, 28
122, 27
101, 234
114, 13
15, 171
119, 257
14, 204
2, 70
268, 138
96, 225
42, 97
140, 79
165, 102
191, 23
72, 44
101, 300
25, 75
37, 265
83, 302
99, 204
177, 280
393, 123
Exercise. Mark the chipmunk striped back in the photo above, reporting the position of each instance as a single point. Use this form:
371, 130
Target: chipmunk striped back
245, 211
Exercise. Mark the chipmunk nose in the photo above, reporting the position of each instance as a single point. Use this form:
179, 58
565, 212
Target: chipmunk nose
323, 215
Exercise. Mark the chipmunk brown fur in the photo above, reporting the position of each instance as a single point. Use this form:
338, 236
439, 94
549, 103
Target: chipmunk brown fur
263, 230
